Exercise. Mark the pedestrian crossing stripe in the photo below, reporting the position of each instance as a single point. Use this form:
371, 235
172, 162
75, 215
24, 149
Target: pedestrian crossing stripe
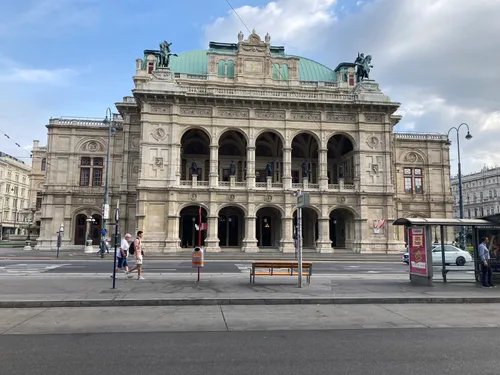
33, 268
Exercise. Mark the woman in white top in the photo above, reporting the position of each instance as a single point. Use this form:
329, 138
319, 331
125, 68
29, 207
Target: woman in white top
122, 254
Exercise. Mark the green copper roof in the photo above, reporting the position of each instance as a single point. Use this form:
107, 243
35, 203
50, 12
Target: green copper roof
196, 62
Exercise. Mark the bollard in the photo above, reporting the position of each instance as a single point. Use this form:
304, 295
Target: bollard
198, 259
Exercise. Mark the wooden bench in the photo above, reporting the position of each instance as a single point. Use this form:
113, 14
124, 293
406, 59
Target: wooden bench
270, 267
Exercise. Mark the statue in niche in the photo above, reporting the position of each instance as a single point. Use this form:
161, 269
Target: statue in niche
240, 37
305, 170
269, 169
194, 167
341, 171
232, 168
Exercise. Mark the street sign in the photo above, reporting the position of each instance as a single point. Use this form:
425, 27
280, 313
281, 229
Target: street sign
105, 211
303, 200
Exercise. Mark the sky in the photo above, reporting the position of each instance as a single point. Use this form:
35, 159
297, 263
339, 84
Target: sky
75, 58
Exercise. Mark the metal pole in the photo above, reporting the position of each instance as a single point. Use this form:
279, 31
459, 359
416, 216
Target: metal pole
106, 184
199, 228
198, 274
443, 256
299, 244
117, 218
58, 242
460, 196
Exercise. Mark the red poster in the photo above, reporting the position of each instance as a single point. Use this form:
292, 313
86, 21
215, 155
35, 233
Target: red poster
418, 252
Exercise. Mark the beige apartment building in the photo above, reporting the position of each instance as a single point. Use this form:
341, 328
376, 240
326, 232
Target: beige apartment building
234, 131
14, 196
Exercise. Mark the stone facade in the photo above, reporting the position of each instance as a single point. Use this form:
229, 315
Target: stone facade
235, 144
14, 196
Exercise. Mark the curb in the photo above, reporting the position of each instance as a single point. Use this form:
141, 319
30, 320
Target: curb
249, 301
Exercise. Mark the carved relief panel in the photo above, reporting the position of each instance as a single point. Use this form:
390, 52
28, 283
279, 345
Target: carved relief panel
374, 171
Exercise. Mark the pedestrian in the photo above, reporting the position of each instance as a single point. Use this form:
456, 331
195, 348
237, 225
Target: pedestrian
122, 254
136, 250
484, 256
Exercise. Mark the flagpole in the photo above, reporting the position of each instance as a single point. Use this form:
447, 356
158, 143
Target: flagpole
199, 229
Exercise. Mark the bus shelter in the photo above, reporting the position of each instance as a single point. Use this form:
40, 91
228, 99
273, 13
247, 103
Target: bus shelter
419, 234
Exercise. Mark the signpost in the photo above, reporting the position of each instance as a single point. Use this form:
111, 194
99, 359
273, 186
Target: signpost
303, 200
117, 218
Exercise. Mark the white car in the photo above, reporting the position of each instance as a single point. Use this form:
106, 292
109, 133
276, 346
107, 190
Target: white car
452, 255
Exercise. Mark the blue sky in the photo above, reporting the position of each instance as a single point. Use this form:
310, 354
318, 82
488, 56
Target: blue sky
77, 57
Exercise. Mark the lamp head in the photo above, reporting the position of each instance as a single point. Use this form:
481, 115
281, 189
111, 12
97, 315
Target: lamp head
61, 228
448, 142
468, 136
106, 120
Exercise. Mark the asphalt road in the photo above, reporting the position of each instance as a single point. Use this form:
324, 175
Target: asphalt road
346, 352
161, 266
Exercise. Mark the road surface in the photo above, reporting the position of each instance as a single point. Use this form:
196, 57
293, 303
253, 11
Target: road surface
346, 352
18, 267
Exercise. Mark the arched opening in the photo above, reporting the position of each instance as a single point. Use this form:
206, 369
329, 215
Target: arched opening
43, 164
81, 229
268, 157
305, 158
189, 228
268, 227
340, 159
341, 228
231, 227
309, 227
195, 155
232, 155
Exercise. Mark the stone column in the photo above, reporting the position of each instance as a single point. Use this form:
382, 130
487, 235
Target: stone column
172, 243
287, 166
213, 176
212, 240
175, 157
251, 168
250, 241
286, 242
324, 244
269, 181
323, 167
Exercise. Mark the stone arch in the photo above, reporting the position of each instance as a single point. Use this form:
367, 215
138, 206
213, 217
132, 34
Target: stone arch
270, 205
79, 225
347, 135
196, 127
274, 131
190, 233
342, 226
195, 153
90, 144
188, 204
310, 132
231, 204
412, 157
317, 210
231, 225
269, 225
343, 207
226, 130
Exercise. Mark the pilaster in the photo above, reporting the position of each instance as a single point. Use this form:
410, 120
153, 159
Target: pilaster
250, 242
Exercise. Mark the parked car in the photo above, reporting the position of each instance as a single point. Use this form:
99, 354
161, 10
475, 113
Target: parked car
453, 256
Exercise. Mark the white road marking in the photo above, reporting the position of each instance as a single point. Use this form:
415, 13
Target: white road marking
34, 268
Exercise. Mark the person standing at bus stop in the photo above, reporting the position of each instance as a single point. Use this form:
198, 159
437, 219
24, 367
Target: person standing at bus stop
484, 256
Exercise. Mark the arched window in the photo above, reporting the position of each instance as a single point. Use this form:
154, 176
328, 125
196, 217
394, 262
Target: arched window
221, 68
230, 69
276, 72
284, 72
44, 164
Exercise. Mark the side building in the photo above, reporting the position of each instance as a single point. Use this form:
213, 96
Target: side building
14, 196
232, 132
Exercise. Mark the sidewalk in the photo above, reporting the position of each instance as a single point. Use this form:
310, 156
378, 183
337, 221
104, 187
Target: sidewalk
82, 290
341, 256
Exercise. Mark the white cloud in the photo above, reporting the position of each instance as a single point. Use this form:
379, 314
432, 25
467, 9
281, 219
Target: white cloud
437, 57
36, 76
291, 22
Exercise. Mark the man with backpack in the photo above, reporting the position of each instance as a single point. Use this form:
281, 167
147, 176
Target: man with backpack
136, 250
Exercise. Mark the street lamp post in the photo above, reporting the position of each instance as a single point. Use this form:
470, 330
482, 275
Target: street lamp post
460, 197
105, 208
59, 233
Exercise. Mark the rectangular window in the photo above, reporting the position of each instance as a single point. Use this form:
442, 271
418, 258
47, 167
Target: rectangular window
413, 181
85, 161
97, 177
84, 176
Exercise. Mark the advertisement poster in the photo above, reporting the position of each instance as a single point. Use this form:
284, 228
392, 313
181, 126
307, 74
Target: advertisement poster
418, 252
